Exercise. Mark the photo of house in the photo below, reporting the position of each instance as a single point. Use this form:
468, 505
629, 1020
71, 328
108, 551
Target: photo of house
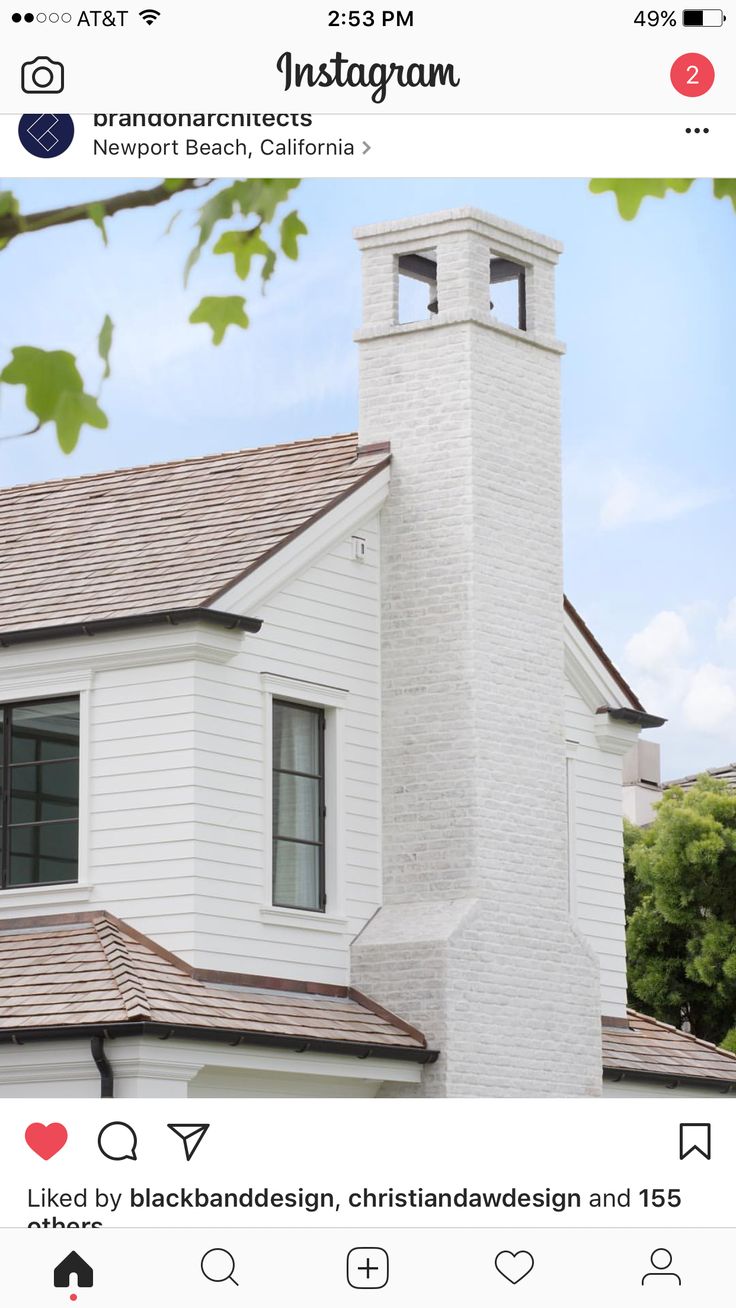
313, 776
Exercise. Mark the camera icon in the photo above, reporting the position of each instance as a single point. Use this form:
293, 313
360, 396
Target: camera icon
42, 76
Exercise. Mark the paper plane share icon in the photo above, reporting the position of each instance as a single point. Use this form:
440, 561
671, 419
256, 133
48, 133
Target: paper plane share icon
191, 1135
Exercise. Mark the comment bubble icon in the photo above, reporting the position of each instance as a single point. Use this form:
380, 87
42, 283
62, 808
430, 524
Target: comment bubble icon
118, 1142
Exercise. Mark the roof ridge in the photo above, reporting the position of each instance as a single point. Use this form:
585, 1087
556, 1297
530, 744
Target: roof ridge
686, 1035
177, 463
122, 969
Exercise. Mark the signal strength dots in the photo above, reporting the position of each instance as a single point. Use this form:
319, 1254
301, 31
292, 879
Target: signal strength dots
149, 16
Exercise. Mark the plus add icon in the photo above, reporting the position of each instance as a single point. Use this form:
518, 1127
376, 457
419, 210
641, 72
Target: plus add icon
367, 1269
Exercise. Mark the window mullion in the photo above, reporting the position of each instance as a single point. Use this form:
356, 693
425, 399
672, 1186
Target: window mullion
296, 884
44, 784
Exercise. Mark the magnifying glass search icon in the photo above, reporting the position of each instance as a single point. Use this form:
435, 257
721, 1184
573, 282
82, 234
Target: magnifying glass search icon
218, 1265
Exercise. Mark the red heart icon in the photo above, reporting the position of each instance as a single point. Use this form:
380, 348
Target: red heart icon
46, 1140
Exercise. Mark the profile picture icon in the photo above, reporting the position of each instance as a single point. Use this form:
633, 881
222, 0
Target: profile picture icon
42, 76
661, 1260
46, 135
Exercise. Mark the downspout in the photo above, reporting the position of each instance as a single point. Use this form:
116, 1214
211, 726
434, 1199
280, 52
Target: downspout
107, 1080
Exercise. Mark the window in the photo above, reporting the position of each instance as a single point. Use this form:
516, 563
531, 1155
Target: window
298, 806
39, 786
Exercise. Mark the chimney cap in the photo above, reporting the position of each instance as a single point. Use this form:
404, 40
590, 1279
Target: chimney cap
428, 226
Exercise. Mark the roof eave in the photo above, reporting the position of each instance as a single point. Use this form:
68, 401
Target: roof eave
670, 1080
220, 1035
130, 622
635, 717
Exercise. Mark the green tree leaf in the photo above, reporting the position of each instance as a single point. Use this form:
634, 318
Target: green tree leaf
8, 203
681, 906
291, 228
96, 212
252, 197
54, 391
217, 208
724, 188
220, 312
53, 386
630, 191
73, 410
104, 344
8, 207
46, 375
243, 245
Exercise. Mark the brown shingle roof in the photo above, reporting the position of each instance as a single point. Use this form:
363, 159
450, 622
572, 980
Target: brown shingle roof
650, 1048
174, 536
94, 970
167, 536
725, 773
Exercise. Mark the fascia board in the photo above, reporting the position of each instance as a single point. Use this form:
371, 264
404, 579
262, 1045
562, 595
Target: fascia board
588, 674
275, 573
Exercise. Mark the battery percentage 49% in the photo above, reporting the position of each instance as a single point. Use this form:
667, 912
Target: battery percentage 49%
656, 18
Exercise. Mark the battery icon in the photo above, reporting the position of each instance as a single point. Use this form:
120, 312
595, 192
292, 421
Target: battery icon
703, 18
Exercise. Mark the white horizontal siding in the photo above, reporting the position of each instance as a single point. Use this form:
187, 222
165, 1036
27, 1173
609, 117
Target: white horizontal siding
322, 628
176, 796
597, 850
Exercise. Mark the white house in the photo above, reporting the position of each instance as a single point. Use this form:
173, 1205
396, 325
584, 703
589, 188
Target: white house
311, 781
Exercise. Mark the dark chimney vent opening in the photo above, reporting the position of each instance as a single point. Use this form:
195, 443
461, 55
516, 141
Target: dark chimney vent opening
418, 286
508, 292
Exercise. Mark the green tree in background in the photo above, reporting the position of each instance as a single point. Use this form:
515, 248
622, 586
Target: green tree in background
681, 911
630, 191
54, 388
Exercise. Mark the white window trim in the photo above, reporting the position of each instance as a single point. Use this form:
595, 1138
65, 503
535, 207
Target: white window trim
333, 700
68, 894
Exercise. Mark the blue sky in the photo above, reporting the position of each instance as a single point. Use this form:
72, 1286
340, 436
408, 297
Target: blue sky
647, 310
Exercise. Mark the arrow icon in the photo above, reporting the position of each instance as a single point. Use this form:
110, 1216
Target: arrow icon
366, 147
191, 1135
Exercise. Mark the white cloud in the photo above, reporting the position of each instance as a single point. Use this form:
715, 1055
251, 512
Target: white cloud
710, 703
642, 497
672, 661
660, 646
727, 626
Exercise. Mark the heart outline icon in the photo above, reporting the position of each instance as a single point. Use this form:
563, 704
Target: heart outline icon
514, 1272
46, 1140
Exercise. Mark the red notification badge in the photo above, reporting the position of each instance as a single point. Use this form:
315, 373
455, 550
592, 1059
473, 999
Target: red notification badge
692, 74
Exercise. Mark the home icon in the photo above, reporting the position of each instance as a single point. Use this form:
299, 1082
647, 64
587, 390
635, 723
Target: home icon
73, 1265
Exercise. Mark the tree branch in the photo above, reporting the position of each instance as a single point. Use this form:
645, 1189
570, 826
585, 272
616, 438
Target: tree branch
12, 225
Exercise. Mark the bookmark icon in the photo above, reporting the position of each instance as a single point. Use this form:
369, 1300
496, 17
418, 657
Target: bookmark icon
695, 1139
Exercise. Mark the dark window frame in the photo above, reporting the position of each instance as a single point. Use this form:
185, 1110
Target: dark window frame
9, 770
319, 777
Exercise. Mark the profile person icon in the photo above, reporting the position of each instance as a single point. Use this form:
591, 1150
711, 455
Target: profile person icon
661, 1261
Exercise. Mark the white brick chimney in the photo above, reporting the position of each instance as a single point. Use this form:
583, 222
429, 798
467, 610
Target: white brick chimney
474, 943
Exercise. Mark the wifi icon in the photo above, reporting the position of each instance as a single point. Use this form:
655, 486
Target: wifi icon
149, 15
